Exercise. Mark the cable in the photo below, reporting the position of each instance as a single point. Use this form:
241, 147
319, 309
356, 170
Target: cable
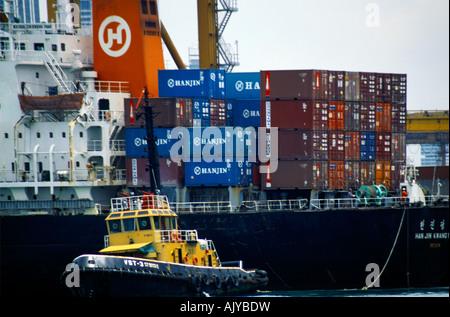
390, 254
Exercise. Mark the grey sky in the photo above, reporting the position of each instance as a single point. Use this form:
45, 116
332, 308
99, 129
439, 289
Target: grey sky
398, 36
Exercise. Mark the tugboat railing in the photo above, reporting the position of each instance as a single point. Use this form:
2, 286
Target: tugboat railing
163, 236
131, 203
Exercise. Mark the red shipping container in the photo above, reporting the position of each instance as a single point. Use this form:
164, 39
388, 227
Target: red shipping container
367, 116
336, 85
294, 84
383, 87
336, 115
352, 146
383, 117
295, 144
320, 145
296, 114
398, 117
298, 174
367, 86
398, 88
352, 171
171, 173
336, 150
172, 112
383, 173
367, 174
398, 146
383, 146
352, 116
336, 174
218, 113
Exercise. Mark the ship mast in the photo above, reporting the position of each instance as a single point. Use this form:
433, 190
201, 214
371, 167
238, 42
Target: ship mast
153, 162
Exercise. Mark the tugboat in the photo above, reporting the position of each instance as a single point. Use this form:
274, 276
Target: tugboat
146, 254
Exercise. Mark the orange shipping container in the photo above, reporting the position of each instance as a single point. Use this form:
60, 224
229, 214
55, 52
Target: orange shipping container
336, 174
336, 115
336, 150
383, 173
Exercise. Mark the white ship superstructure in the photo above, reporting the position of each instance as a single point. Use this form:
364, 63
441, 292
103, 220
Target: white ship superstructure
61, 130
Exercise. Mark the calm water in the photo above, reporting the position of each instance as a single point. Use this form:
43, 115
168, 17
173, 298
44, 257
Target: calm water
373, 292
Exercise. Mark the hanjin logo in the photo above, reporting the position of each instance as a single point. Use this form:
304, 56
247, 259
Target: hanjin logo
197, 170
113, 42
239, 85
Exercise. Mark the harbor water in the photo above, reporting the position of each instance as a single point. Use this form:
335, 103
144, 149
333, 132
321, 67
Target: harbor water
372, 292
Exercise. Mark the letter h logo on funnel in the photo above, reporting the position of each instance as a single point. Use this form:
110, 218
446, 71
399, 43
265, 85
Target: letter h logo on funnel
110, 36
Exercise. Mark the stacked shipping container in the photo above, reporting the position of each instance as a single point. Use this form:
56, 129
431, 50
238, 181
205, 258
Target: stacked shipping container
195, 99
336, 130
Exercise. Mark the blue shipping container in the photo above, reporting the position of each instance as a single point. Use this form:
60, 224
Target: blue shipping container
242, 85
246, 112
136, 142
225, 173
201, 110
368, 146
192, 83
223, 141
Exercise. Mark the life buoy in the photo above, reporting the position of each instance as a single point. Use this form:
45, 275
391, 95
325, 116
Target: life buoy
178, 237
107, 116
185, 260
173, 236
195, 260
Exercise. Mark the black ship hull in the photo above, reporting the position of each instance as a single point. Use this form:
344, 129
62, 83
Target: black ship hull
332, 249
102, 275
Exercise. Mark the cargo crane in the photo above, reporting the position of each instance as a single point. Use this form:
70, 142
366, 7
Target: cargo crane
212, 48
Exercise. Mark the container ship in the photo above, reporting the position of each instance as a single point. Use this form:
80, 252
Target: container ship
297, 172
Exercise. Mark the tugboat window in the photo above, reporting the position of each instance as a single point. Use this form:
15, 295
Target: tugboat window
144, 223
115, 226
156, 219
129, 224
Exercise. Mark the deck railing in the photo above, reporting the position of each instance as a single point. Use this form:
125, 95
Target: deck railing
139, 203
176, 236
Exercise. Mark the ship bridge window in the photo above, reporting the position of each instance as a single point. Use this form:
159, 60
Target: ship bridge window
115, 226
129, 224
144, 223
164, 223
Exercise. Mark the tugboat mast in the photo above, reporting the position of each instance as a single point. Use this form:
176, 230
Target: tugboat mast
153, 162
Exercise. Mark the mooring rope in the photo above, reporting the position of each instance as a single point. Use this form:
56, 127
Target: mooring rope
390, 254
